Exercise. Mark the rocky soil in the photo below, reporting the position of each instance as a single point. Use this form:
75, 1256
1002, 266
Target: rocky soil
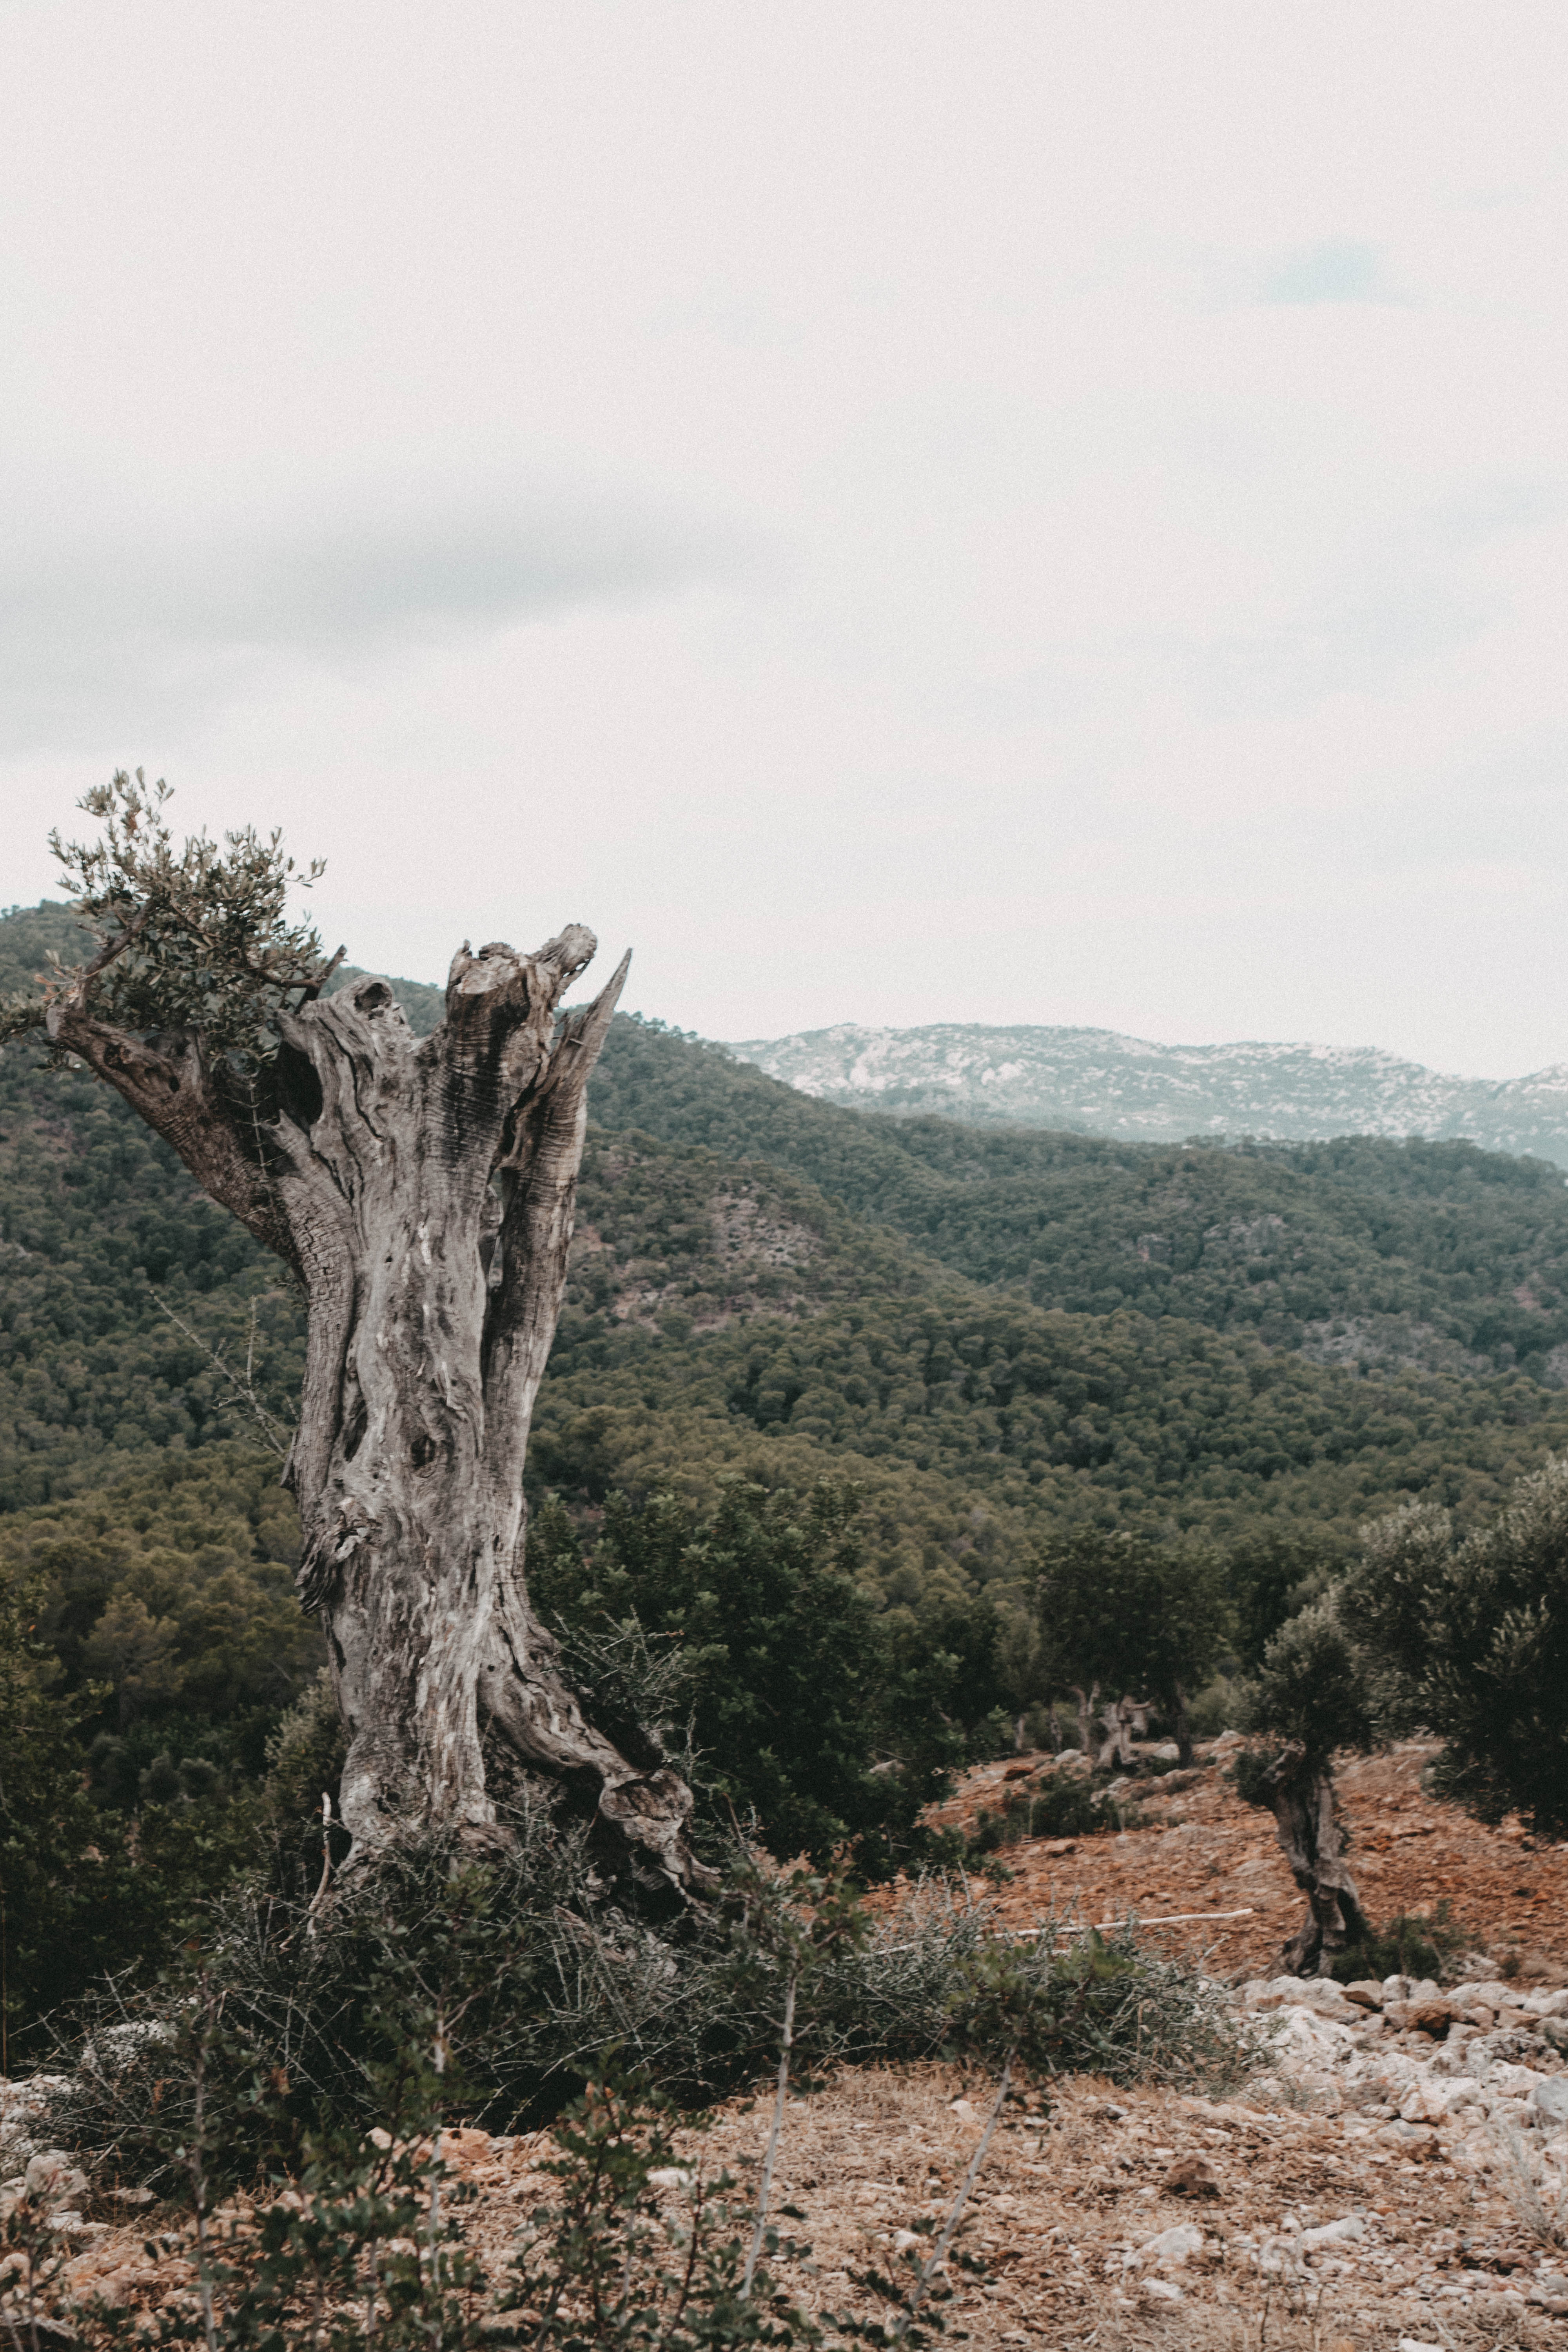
1394, 2174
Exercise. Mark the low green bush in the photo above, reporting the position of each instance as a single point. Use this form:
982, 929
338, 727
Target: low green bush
1065, 1805
1415, 1944
531, 1969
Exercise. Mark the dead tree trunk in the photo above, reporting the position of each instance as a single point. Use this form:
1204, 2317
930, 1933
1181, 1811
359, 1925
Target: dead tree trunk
1182, 1724
1086, 1705
1120, 1720
423, 1192
1300, 1793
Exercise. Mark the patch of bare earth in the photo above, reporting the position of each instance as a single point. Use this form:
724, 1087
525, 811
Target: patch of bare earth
1067, 2216
1149, 2218
1203, 1850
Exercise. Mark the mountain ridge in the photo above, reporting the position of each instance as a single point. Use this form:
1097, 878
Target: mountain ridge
1133, 1089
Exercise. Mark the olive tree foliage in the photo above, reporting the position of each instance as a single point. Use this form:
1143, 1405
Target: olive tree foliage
195, 939
1467, 1638
422, 1194
1135, 1616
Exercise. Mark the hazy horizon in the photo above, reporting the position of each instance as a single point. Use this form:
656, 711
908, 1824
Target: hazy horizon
392, 971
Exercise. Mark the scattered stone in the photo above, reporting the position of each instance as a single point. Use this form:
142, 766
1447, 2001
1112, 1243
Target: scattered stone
1172, 2248
1365, 1993
1411, 2139
1549, 2098
1162, 2290
53, 2175
1426, 2102
1345, 2233
1192, 2176
1428, 2016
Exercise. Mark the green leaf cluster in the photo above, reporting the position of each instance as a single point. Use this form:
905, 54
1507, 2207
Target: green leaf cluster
1467, 1637
807, 1717
190, 939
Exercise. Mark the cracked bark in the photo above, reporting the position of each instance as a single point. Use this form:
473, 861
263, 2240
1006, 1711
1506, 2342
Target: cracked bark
423, 1192
1301, 1795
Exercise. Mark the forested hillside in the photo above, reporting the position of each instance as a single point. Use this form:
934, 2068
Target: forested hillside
989, 1338
994, 1332
1437, 1255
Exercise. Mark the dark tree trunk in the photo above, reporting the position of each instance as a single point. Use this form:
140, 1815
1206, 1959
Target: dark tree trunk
422, 1192
1301, 1794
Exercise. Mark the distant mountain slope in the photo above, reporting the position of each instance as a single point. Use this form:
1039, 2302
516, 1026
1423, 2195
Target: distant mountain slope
1095, 1082
1433, 1255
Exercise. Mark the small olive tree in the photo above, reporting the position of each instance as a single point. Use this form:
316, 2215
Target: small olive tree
1132, 1613
1310, 1697
422, 1194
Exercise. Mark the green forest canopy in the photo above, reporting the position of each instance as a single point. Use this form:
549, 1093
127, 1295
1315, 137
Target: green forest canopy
976, 1326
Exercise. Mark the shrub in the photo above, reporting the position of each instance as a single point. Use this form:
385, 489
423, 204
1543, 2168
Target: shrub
534, 1972
1469, 1638
1414, 1944
748, 1642
1065, 1806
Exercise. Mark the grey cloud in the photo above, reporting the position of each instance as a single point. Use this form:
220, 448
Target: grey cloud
1340, 271
151, 613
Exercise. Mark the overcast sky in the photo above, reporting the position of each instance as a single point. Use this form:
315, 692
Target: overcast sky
896, 512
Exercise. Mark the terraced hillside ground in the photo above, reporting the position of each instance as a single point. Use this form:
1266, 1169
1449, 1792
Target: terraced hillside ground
1313, 2223
1199, 1848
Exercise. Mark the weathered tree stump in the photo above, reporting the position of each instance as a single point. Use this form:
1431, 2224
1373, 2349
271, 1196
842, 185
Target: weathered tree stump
422, 1192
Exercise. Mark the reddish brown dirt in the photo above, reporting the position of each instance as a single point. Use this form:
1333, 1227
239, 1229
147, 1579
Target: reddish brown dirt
1203, 1850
